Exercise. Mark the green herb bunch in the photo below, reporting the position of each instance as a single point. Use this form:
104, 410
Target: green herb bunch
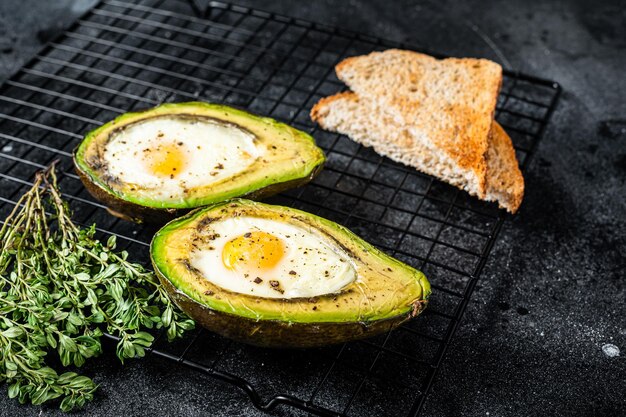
59, 288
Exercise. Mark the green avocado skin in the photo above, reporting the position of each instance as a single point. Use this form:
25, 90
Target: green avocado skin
303, 145
281, 334
138, 213
266, 322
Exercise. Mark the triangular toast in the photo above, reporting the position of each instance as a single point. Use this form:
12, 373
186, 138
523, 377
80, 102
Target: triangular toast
366, 123
446, 105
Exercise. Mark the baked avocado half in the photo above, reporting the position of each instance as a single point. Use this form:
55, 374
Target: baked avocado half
157, 164
279, 277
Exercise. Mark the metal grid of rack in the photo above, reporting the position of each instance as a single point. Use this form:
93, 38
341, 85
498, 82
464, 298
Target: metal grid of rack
122, 56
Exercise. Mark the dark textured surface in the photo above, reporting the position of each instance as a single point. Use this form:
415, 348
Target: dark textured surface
553, 292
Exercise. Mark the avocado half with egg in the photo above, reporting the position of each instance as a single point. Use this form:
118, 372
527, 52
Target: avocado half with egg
280, 277
155, 165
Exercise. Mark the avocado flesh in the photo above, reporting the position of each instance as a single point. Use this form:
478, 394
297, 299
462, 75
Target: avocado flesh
290, 158
385, 293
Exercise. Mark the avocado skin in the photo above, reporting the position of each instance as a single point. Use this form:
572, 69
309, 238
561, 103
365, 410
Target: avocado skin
280, 334
143, 214
139, 213
293, 330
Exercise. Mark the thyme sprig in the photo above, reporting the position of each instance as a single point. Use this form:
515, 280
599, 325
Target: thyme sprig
59, 288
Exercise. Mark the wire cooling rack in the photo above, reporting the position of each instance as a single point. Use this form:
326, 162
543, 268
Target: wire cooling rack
122, 56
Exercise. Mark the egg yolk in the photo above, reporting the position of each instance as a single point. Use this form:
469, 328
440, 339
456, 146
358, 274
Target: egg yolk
167, 160
253, 251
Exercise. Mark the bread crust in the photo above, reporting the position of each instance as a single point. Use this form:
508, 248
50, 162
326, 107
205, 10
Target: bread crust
505, 183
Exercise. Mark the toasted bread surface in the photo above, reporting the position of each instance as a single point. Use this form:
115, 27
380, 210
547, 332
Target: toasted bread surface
447, 104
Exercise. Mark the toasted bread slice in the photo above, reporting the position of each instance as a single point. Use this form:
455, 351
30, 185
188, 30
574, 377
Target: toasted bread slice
447, 105
371, 126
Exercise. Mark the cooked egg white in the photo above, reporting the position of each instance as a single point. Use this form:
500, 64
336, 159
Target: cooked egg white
271, 259
165, 157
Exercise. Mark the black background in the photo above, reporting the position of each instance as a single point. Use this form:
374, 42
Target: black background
553, 292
